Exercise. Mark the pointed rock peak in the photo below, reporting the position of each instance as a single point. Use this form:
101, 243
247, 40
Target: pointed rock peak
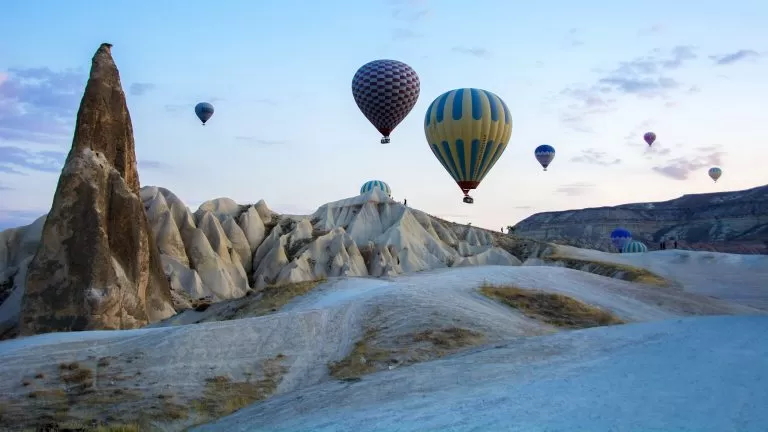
103, 122
97, 265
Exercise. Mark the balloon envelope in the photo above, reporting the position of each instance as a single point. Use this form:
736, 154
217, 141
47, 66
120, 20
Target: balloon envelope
385, 91
204, 111
649, 137
634, 246
545, 154
467, 130
715, 173
375, 184
620, 237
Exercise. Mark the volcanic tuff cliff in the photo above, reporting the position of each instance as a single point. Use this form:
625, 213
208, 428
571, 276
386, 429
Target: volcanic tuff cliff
735, 222
97, 266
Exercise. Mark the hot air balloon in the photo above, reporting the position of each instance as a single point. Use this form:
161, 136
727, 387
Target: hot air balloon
375, 184
468, 130
545, 154
649, 137
715, 173
385, 91
204, 111
634, 246
620, 237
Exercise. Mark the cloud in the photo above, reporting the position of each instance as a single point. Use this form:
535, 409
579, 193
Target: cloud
734, 57
595, 157
572, 38
153, 165
655, 150
38, 104
191, 105
401, 33
681, 168
408, 14
656, 28
409, 10
641, 77
575, 189
138, 89
260, 141
474, 51
5, 188
522, 207
293, 209
46, 161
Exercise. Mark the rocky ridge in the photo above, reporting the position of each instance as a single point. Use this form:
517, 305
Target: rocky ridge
224, 250
734, 222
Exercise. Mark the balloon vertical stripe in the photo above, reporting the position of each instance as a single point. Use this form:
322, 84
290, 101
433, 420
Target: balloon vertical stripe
470, 139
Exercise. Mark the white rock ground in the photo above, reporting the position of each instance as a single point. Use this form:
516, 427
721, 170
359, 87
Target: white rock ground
694, 374
586, 380
737, 278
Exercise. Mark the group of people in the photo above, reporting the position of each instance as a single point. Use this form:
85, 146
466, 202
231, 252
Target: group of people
663, 244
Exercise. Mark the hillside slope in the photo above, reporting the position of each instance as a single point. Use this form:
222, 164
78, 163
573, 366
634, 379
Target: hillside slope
734, 222
174, 374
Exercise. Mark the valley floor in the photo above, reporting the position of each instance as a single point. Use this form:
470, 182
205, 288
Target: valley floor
424, 351
694, 374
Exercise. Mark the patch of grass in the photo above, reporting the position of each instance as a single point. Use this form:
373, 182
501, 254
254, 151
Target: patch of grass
201, 304
223, 396
56, 394
362, 360
269, 300
614, 270
555, 309
172, 411
134, 427
450, 338
367, 356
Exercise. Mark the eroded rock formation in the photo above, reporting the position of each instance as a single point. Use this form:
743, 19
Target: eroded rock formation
97, 265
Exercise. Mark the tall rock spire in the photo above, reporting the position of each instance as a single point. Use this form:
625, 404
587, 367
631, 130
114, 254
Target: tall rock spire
97, 266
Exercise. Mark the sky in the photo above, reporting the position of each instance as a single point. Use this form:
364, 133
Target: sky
587, 77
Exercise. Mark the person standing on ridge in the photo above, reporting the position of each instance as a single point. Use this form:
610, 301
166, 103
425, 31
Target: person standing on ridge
405, 202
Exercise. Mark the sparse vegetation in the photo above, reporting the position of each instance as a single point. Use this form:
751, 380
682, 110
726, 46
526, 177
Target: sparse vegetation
450, 338
223, 396
614, 270
73, 402
201, 304
368, 357
555, 309
362, 360
269, 300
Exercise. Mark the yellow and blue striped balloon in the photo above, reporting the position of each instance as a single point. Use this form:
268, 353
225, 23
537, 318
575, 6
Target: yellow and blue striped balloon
468, 130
